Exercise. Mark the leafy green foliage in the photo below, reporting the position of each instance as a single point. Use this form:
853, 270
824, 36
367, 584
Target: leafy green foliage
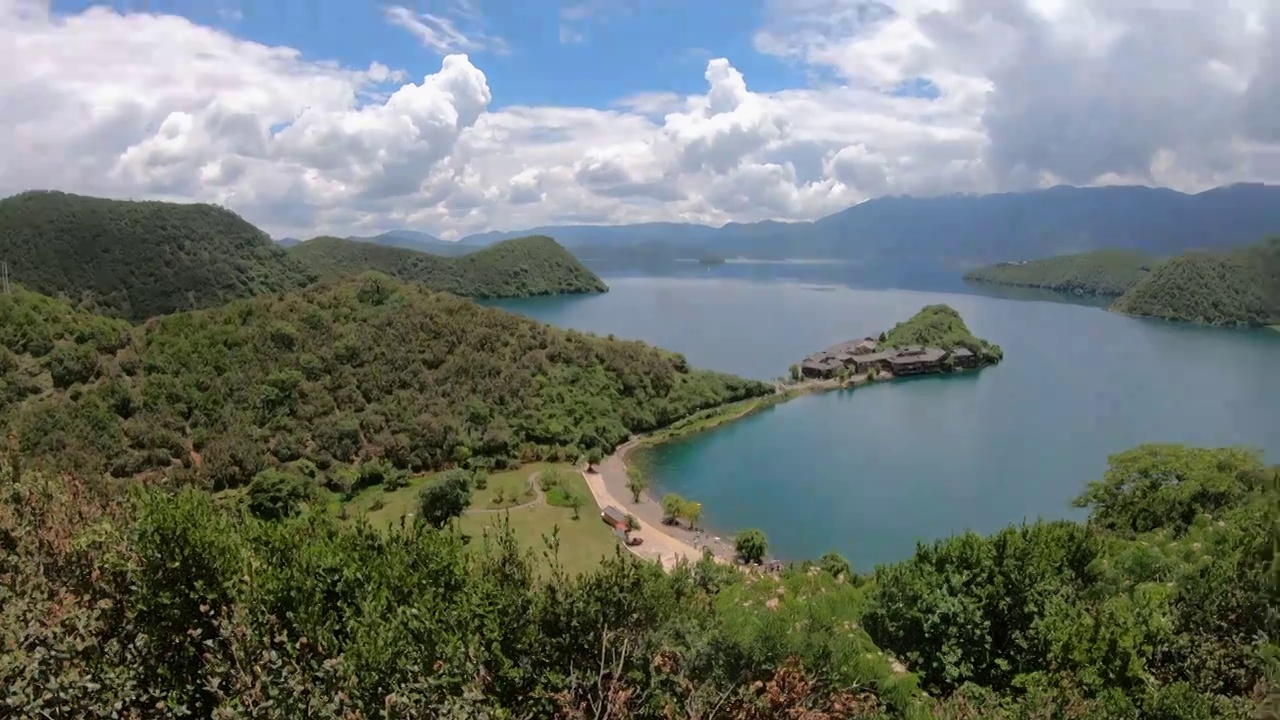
366, 369
136, 260
1160, 599
1240, 287
751, 546
445, 497
169, 606
835, 565
274, 494
520, 267
940, 326
1098, 272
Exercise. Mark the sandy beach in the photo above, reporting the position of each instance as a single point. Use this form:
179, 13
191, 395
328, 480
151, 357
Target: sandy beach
665, 543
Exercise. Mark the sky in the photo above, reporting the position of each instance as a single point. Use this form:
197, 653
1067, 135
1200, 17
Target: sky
452, 117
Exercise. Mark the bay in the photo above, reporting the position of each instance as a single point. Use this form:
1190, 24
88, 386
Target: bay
870, 472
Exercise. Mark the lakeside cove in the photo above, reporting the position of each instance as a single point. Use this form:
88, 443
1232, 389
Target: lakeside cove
935, 340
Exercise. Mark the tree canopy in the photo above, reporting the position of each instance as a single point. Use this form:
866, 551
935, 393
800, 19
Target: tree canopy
358, 370
139, 259
520, 267
940, 326
1098, 272
159, 604
1239, 287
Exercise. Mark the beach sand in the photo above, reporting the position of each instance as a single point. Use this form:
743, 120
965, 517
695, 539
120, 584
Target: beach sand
665, 543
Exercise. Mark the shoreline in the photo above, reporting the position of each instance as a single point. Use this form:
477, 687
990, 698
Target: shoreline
670, 543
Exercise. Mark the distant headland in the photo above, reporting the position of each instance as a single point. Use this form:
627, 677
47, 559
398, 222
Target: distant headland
935, 340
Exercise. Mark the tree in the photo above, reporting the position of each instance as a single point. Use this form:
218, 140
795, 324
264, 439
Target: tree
632, 523
594, 457
835, 565
274, 495
636, 483
795, 372
751, 546
693, 512
672, 508
71, 364
445, 497
575, 502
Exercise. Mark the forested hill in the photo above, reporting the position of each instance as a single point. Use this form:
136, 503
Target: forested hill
522, 267
940, 326
1240, 287
367, 368
1100, 272
138, 259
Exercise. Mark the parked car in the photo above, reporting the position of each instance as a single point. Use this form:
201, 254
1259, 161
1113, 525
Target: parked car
634, 540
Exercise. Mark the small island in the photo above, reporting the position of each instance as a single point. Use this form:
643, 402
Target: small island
935, 340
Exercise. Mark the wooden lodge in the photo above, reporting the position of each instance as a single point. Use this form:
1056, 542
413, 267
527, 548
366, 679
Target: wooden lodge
857, 357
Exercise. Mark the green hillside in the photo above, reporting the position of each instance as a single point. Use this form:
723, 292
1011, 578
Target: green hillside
363, 369
1240, 287
138, 259
522, 267
1100, 272
940, 326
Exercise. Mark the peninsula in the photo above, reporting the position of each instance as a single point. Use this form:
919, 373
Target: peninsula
1102, 273
935, 340
1238, 287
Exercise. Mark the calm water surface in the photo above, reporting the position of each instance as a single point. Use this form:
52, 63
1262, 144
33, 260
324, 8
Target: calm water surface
872, 471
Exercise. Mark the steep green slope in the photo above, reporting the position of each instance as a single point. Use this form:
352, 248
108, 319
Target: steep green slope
1241, 287
940, 326
138, 259
1100, 272
369, 368
522, 267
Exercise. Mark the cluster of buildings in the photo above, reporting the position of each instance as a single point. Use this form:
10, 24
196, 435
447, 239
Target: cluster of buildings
861, 356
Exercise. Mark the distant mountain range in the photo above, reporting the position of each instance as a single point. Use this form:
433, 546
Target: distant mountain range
953, 231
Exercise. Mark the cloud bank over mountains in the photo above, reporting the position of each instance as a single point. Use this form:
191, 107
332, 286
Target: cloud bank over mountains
913, 96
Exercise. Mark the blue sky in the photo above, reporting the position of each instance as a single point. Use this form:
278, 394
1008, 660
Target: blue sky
612, 48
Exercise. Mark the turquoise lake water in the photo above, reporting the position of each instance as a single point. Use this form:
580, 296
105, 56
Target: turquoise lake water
872, 471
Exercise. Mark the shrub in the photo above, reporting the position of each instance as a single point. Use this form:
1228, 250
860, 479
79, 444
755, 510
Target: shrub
274, 494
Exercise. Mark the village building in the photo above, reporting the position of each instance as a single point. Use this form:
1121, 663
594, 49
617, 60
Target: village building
964, 358
914, 360
861, 356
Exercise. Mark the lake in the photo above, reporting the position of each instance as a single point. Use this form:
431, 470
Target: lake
870, 472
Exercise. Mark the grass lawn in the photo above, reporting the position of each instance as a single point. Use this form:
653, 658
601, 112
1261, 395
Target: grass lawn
511, 485
583, 542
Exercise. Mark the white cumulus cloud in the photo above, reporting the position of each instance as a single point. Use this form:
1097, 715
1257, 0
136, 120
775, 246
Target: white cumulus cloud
912, 96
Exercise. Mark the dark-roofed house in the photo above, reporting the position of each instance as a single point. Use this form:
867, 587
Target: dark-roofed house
866, 361
820, 368
913, 360
964, 358
614, 517
865, 346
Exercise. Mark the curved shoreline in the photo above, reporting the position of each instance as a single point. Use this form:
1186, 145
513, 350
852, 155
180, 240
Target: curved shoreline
608, 483
670, 543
